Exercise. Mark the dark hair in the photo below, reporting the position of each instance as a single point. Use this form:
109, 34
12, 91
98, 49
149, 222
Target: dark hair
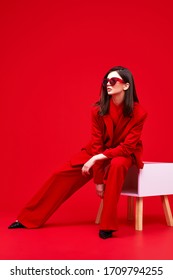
130, 96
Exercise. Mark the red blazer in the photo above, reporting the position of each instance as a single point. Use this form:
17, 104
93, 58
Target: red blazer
124, 141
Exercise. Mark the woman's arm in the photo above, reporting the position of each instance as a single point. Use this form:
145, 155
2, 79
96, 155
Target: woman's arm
86, 167
86, 170
128, 146
97, 136
96, 132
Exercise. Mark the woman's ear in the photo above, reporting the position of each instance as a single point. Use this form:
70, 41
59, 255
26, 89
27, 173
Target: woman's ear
126, 86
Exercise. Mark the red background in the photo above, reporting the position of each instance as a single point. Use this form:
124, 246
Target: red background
53, 57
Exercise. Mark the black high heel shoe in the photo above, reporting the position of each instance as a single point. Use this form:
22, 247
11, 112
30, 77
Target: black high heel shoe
104, 234
16, 225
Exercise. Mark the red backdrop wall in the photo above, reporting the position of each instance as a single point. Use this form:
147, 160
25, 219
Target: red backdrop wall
53, 57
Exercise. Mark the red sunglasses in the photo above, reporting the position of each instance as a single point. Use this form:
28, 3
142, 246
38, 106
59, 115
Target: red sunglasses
112, 81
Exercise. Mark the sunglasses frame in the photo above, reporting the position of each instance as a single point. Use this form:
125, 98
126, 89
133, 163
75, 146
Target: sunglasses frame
112, 81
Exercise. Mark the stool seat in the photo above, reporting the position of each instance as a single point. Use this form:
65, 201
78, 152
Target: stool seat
155, 179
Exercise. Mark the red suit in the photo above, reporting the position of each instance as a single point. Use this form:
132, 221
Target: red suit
115, 136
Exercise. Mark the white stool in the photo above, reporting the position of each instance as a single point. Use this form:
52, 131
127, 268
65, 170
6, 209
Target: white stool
155, 179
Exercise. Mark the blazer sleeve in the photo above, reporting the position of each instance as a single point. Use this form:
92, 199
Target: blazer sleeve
97, 145
129, 145
96, 132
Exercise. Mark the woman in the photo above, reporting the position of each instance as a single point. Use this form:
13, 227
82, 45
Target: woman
117, 122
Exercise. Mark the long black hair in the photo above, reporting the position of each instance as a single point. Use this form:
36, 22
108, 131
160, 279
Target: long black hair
130, 96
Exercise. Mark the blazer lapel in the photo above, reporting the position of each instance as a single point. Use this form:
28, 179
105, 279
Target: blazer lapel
109, 125
120, 130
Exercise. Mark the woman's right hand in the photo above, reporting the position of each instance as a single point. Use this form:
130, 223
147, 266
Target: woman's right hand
100, 189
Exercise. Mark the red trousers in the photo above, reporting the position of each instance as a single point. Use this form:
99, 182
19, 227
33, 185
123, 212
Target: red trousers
65, 182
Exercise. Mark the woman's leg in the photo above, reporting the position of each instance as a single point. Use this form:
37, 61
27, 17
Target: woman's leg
54, 192
114, 182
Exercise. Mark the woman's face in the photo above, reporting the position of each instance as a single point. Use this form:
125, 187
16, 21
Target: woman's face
119, 86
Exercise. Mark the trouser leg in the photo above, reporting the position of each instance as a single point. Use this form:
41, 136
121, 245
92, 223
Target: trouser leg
114, 182
53, 193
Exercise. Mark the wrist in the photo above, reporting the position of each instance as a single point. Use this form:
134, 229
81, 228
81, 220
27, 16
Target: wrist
94, 158
99, 157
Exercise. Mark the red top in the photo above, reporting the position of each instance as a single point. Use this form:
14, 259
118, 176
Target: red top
115, 111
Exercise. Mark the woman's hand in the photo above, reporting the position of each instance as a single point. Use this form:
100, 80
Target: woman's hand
100, 189
86, 167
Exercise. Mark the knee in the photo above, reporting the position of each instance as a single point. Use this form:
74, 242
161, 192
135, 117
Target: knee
120, 163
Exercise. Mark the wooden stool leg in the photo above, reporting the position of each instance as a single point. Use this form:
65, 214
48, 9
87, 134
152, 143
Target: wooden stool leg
97, 221
139, 214
130, 208
167, 210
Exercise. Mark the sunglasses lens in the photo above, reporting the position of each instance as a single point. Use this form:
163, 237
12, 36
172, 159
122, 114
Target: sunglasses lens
112, 81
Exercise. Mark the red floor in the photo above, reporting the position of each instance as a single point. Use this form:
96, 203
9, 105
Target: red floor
73, 235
